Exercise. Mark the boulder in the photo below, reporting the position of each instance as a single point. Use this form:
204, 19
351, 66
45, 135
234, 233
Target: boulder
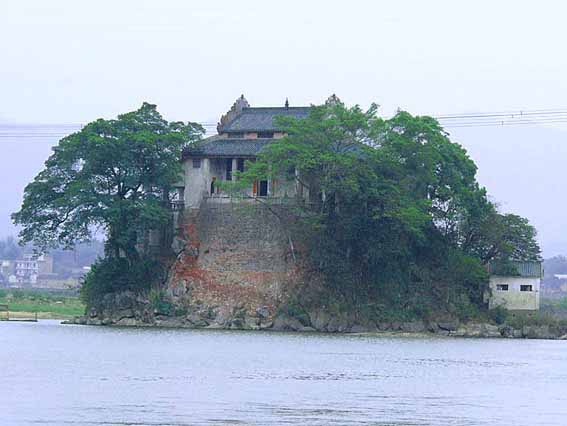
490, 330
395, 326
413, 327
263, 312
338, 324
451, 325
121, 313
93, 321
320, 319
538, 332
76, 320
215, 326
223, 316
476, 330
357, 328
127, 322
237, 324
284, 322
507, 331
252, 323
171, 322
196, 320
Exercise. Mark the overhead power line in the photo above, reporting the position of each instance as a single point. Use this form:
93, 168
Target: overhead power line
557, 116
504, 118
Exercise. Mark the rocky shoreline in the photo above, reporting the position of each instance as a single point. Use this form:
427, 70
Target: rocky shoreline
472, 330
128, 310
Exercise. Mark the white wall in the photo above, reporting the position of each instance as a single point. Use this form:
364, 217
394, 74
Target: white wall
197, 182
514, 299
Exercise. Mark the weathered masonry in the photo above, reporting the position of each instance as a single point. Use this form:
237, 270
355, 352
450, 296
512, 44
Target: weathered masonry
236, 258
242, 133
515, 287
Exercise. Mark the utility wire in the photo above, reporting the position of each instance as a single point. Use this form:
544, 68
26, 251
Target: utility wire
554, 116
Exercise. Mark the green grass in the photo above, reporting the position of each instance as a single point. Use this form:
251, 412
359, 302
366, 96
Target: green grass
22, 302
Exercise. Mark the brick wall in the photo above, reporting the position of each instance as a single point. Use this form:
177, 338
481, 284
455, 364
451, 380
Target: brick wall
236, 256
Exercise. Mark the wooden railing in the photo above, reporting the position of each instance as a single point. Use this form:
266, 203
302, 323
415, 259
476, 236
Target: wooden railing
4, 309
177, 205
4, 313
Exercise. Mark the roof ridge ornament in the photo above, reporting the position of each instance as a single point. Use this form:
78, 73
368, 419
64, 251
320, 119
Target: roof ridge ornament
333, 100
236, 109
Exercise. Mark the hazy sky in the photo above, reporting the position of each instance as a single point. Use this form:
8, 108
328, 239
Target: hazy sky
73, 61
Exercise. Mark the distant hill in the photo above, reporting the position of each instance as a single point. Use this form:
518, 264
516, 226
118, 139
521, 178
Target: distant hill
554, 283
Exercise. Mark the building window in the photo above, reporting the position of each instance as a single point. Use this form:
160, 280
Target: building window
526, 287
196, 163
236, 135
501, 287
240, 165
266, 135
263, 188
229, 169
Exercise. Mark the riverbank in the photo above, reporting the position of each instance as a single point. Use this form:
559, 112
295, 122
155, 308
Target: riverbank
26, 303
414, 328
127, 309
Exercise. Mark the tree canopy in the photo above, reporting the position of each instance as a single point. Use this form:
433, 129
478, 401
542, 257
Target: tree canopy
115, 175
394, 206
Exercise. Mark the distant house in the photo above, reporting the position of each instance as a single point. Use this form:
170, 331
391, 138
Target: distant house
515, 285
8, 271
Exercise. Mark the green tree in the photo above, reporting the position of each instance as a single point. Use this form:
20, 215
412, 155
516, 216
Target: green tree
395, 212
503, 237
115, 175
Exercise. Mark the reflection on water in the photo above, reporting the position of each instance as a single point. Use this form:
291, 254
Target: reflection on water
77, 375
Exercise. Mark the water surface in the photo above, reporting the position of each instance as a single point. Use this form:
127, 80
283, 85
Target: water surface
77, 375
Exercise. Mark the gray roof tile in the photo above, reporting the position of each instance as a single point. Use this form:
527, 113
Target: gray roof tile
262, 119
215, 146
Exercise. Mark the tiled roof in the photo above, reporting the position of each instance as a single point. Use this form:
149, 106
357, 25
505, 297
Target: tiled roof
516, 268
262, 119
223, 147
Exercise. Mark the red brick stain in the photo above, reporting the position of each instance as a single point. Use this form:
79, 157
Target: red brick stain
222, 288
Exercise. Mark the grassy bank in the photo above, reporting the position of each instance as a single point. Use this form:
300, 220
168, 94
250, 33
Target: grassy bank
25, 303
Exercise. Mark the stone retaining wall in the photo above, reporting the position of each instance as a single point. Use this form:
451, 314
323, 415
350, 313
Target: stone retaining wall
236, 260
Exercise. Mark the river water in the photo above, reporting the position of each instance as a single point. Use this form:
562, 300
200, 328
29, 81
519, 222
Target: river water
56, 374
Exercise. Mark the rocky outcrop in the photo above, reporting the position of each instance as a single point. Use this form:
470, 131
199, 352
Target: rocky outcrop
236, 270
476, 330
129, 310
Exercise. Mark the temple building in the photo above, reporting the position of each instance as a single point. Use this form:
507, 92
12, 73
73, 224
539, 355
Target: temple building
242, 133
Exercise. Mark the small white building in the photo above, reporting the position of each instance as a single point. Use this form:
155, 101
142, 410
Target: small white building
515, 286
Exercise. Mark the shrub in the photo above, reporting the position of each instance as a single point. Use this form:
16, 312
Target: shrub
111, 275
562, 304
499, 315
159, 301
295, 310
